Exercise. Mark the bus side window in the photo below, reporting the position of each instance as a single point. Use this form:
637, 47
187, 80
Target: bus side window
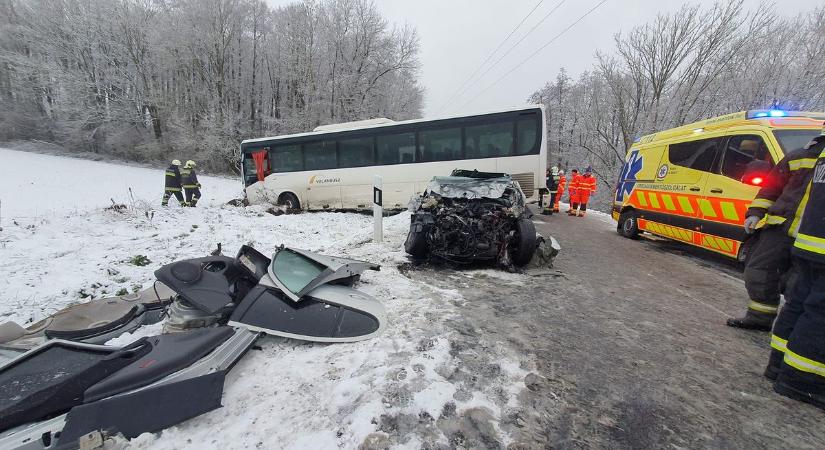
440, 145
527, 131
355, 152
320, 155
741, 151
491, 140
286, 158
396, 148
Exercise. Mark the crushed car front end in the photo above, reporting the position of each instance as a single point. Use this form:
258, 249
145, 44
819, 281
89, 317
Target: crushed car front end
472, 216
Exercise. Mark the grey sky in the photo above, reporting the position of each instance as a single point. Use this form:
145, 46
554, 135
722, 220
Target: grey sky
457, 35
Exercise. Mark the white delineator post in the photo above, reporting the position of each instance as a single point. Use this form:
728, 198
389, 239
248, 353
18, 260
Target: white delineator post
378, 208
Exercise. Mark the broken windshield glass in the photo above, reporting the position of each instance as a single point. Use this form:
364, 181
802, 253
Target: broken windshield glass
295, 271
470, 188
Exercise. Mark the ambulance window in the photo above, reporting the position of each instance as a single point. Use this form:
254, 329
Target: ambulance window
742, 151
698, 155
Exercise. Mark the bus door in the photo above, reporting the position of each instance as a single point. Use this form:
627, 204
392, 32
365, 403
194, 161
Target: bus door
323, 183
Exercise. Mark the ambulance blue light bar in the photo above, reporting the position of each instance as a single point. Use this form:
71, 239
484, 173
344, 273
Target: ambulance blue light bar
768, 113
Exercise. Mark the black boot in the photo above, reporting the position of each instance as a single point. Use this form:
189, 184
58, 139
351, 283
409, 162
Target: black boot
774, 364
752, 321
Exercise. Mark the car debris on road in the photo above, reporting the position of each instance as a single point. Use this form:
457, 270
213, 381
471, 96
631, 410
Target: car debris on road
61, 386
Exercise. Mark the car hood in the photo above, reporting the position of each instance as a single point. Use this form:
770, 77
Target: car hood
470, 188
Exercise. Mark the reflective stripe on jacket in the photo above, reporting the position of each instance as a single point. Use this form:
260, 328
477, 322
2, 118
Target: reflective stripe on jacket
810, 239
189, 178
779, 198
172, 178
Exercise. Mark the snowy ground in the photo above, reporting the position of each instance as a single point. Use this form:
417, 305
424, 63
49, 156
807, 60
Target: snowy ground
36, 185
408, 388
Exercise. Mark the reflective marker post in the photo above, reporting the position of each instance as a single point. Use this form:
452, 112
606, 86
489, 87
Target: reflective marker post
378, 208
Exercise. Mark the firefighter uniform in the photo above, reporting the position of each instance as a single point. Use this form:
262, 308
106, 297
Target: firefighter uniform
552, 189
562, 185
191, 186
769, 260
802, 372
573, 189
173, 184
584, 188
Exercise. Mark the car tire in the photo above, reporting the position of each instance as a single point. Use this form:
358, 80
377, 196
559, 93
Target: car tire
629, 225
416, 244
289, 200
525, 244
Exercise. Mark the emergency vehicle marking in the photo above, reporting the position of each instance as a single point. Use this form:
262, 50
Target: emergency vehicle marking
713, 209
627, 179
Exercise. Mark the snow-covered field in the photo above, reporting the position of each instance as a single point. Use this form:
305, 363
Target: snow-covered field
58, 244
36, 185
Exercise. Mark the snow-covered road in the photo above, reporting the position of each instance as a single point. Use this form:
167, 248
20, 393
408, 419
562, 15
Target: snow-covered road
397, 390
37, 185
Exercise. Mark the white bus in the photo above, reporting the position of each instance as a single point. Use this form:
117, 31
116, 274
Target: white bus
333, 166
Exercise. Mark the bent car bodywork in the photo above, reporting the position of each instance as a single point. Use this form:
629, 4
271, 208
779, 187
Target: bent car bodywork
293, 299
472, 216
146, 386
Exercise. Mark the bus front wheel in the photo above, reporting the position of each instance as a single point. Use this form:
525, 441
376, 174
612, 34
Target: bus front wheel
290, 201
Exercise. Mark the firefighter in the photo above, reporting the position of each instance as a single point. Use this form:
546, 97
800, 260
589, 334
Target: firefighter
191, 186
798, 288
573, 189
552, 189
802, 321
772, 213
584, 188
173, 184
562, 185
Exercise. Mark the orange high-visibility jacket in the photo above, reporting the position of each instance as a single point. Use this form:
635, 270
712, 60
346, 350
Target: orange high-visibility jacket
574, 188
562, 184
587, 186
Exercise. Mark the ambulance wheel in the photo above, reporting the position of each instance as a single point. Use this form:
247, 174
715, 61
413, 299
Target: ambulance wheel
525, 244
289, 200
629, 225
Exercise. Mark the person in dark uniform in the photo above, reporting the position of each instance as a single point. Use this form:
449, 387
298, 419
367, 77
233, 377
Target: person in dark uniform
191, 186
799, 333
172, 184
774, 211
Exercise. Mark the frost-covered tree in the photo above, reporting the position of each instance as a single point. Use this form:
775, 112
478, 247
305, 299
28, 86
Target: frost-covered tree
679, 68
148, 79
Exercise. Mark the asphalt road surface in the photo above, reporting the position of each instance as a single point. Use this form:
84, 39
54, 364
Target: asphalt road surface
627, 348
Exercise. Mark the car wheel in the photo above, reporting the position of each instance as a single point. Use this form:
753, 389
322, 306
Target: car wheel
289, 200
416, 244
629, 225
525, 242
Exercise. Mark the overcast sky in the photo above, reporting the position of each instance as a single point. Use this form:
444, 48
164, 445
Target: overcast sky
458, 35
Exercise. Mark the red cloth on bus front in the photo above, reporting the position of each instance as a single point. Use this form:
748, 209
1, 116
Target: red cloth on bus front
259, 157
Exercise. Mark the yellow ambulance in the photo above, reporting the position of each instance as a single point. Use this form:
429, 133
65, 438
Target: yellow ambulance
694, 183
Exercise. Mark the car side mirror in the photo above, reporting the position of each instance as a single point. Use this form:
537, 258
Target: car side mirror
756, 173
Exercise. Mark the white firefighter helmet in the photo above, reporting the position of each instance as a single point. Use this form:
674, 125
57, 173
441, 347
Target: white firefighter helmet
189, 164
175, 162
554, 170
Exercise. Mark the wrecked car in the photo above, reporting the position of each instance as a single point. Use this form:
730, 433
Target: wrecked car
61, 388
472, 216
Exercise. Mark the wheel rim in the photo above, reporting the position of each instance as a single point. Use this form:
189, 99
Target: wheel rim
629, 225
